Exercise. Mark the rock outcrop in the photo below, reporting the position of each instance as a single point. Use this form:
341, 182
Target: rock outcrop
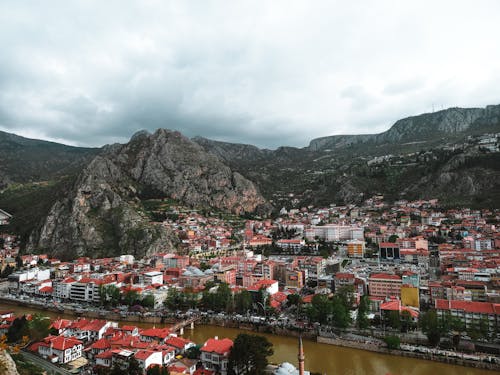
101, 215
7, 364
445, 123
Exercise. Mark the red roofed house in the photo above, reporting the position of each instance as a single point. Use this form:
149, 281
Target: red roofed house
471, 312
155, 334
60, 349
396, 305
180, 344
60, 325
215, 354
148, 358
88, 330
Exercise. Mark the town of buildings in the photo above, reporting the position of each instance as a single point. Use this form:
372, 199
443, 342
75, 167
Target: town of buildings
406, 257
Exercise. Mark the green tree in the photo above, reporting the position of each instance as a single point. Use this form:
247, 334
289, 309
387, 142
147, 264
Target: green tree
131, 298
293, 300
157, 370
19, 261
432, 327
392, 342
109, 295
133, 367
346, 295
393, 238
320, 309
193, 352
18, 329
393, 319
174, 300
7, 271
341, 317
249, 355
243, 301
148, 301
363, 308
38, 327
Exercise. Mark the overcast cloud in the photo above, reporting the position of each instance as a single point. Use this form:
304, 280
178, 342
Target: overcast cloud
268, 73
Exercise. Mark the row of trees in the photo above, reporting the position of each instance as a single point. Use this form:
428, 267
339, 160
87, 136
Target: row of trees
436, 327
219, 300
111, 296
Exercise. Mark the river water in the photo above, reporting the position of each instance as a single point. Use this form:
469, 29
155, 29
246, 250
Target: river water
322, 358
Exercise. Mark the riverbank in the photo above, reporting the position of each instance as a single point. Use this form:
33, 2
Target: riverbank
409, 354
273, 331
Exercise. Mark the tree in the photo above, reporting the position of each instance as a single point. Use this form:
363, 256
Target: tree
341, 317
18, 329
392, 342
393, 238
109, 295
7, 271
362, 317
432, 327
193, 352
131, 297
243, 301
133, 367
174, 300
393, 319
320, 309
157, 370
148, 301
19, 261
293, 300
38, 327
346, 295
249, 355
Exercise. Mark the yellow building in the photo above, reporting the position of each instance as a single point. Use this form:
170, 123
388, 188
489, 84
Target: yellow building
410, 296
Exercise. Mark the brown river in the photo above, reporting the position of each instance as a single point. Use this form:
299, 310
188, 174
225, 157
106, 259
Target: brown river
321, 358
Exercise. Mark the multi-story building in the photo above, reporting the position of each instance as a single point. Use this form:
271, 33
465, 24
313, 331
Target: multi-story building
335, 232
153, 278
389, 251
356, 248
85, 290
383, 285
471, 313
215, 354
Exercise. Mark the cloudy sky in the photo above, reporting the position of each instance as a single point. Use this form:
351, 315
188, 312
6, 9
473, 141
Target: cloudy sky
269, 73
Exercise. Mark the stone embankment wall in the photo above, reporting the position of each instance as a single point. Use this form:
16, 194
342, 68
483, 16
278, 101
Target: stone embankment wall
401, 353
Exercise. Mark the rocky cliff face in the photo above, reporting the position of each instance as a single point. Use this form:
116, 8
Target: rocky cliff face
448, 122
101, 215
180, 168
232, 151
7, 364
445, 123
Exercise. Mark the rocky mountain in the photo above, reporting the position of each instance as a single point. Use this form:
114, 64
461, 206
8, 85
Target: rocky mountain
445, 155
93, 203
101, 215
449, 123
28, 160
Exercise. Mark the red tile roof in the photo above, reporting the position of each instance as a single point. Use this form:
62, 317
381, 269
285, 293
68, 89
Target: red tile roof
217, 346
60, 342
468, 306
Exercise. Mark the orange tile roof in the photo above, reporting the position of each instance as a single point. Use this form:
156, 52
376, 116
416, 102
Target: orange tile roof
217, 346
